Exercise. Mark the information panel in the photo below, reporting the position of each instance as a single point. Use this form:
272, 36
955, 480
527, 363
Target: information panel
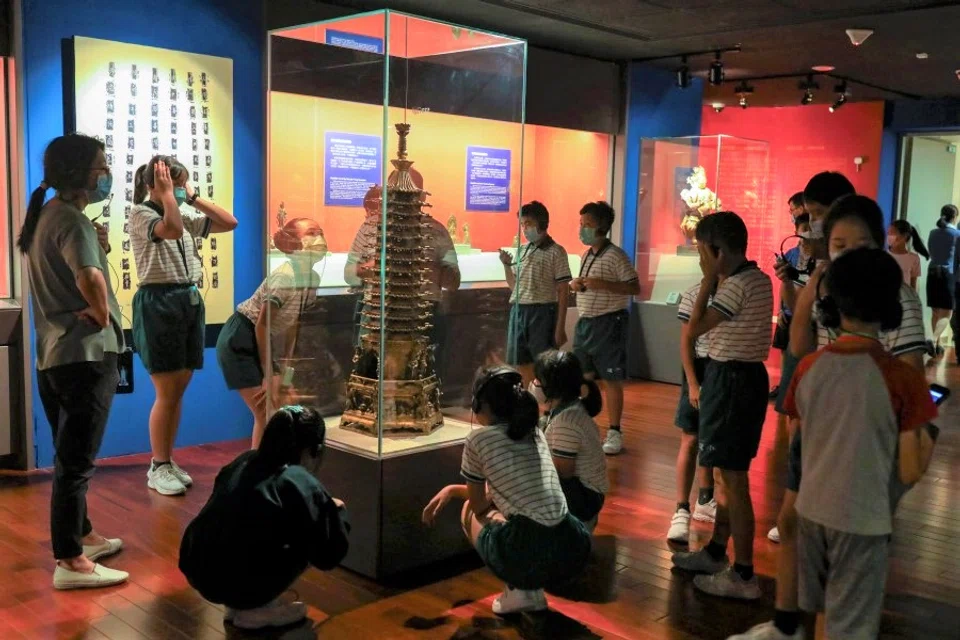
488, 179
352, 164
356, 41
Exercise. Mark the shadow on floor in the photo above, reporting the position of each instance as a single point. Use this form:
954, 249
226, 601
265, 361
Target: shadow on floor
597, 582
306, 630
548, 625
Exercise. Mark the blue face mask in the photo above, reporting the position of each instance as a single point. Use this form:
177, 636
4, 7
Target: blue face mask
588, 235
102, 192
180, 195
532, 234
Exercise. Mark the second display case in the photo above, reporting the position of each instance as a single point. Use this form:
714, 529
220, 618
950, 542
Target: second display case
683, 180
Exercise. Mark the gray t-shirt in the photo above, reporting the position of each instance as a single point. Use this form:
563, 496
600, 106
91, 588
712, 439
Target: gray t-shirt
65, 242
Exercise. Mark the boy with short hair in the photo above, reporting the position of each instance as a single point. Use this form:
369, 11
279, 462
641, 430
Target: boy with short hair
883, 404
606, 281
694, 357
539, 279
733, 398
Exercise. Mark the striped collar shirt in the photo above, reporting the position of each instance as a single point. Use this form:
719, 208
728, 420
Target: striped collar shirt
610, 263
160, 261
910, 336
539, 270
572, 434
684, 311
745, 299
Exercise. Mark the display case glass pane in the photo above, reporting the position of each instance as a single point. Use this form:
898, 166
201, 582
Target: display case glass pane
681, 181
396, 160
6, 213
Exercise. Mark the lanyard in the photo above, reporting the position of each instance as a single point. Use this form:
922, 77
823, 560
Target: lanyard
595, 256
183, 252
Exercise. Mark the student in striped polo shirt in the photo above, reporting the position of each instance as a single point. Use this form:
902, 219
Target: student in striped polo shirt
273, 311
606, 281
168, 312
514, 513
539, 280
572, 434
694, 355
733, 397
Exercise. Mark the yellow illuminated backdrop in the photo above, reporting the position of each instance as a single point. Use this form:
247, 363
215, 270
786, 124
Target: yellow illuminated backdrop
142, 101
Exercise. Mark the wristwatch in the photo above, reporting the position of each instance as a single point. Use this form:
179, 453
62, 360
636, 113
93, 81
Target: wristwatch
191, 200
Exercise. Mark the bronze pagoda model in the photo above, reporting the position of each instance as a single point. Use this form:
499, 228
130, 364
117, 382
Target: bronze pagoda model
411, 389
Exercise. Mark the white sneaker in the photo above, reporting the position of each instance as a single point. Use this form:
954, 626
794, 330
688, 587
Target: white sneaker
275, 614
729, 584
164, 481
96, 551
679, 527
767, 631
705, 512
182, 475
699, 561
774, 535
519, 600
613, 443
64, 579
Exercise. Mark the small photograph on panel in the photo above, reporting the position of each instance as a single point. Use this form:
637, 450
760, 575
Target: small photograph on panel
129, 176
173, 128
134, 72
126, 212
193, 128
189, 78
126, 277
154, 110
209, 161
196, 174
206, 112
209, 176
126, 228
196, 161
108, 141
154, 92
128, 195
214, 261
110, 159
173, 143
216, 280
154, 126
206, 144
109, 124
131, 126
111, 88
125, 264
132, 109
110, 106
173, 111
173, 94
189, 95
106, 227
203, 78
206, 128
133, 89
155, 144
125, 245
210, 191
173, 76
193, 112
203, 95
199, 242
129, 159
131, 144
156, 75
213, 244
112, 69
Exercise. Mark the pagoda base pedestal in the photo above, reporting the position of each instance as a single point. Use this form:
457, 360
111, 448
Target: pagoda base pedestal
410, 407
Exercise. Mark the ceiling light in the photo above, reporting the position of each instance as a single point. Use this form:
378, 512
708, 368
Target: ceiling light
842, 95
808, 86
718, 106
859, 36
807, 97
743, 90
823, 68
716, 71
922, 55
683, 74
743, 102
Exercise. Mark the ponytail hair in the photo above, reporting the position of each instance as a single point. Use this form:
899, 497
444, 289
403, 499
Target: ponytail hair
948, 213
904, 228
291, 432
143, 180
500, 388
66, 166
561, 378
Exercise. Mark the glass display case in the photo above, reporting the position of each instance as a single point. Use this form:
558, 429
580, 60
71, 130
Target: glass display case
395, 171
681, 181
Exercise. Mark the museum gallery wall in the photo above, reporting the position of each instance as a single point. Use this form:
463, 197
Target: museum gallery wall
143, 101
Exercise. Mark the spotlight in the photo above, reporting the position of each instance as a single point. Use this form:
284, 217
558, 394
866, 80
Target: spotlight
808, 86
716, 71
743, 102
718, 106
841, 91
743, 90
683, 74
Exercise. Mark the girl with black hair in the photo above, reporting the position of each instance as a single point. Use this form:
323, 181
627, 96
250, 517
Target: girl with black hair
899, 233
266, 521
942, 283
572, 435
168, 311
77, 324
280, 301
514, 511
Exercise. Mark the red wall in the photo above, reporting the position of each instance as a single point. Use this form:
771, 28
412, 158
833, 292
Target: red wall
805, 140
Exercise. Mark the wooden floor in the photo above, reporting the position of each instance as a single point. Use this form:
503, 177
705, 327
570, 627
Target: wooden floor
628, 591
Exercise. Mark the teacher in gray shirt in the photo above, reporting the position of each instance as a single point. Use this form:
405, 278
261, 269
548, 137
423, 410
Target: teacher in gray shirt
77, 324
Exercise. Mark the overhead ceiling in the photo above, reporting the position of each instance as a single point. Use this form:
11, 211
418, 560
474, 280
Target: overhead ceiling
776, 36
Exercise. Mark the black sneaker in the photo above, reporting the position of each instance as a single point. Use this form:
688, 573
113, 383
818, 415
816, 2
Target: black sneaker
774, 392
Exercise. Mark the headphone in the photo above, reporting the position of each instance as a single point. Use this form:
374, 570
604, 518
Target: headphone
298, 439
828, 312
792, 272
509, 375
556, 359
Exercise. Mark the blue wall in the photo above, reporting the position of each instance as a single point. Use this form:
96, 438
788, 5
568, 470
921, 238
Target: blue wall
214, 27
656, 109
909, 116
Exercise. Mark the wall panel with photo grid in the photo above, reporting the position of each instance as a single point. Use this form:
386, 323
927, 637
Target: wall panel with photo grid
143, 101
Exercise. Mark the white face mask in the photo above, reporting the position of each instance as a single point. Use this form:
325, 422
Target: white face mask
816, 228
537, 392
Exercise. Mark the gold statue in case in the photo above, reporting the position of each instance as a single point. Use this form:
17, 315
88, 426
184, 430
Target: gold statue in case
699, 201
411, 389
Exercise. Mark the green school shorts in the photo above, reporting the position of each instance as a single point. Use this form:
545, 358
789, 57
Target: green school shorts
687, 417
169, 327
733, 407
530, 332
600, 343
238, 354
528, 555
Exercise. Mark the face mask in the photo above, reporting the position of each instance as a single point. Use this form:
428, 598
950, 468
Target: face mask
537, 392
588, 235
102, 192
532, 234
816, 228
180, 195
